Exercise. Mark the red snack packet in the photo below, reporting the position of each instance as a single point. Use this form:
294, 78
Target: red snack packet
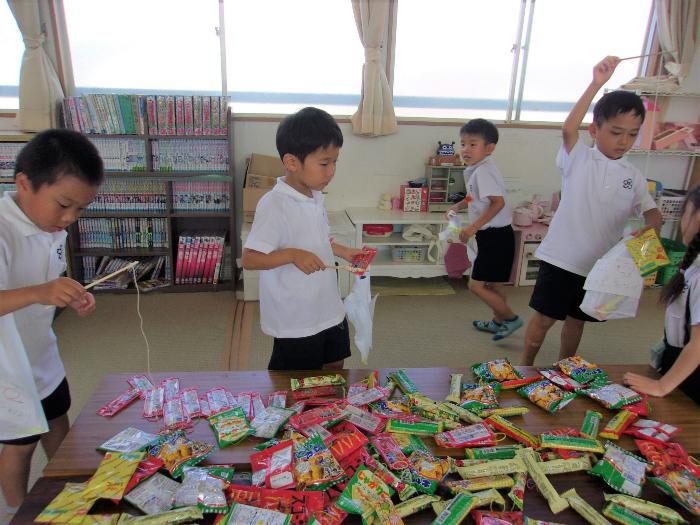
171, 388
331, 515
145, 469
477, 435
356, 388
316, 416
390, 451
651, 430
218, 400
277, 399
641, 408
517, 383
190, 403
566, 431
364, 420
665, 458
318, 391
301, 505
487, 517
141, 384
274, 466
350, 464
345, 440
119, 403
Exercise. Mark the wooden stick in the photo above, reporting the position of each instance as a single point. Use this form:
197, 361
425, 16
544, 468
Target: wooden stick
648, 55
120, 270
345, 267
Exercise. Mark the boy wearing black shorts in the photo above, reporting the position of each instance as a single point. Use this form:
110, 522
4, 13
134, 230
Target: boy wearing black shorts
490, 223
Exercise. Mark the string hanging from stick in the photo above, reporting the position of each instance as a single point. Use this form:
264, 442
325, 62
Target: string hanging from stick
143, 333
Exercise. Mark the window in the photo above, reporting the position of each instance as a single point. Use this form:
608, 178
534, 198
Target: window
137, 46
10, 58
283, 55
453, 58
562, 53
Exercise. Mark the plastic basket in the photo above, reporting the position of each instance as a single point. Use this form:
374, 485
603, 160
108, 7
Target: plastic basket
408, 254
675, 251
670, 204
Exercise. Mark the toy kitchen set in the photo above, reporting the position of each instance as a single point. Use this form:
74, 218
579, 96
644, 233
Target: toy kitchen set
530, 222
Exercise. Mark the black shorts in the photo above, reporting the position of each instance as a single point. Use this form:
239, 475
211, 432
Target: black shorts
55, 405
312, 352
559, 293
494, 260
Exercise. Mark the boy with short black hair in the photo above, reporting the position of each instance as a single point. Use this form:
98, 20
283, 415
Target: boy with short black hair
601, 190
490, 218
57, 175
290, 241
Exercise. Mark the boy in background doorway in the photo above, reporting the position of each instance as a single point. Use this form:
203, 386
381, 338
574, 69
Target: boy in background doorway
490, 222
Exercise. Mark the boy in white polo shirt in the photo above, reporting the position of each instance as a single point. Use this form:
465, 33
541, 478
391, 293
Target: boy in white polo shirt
57, 175
289, 240
601, 190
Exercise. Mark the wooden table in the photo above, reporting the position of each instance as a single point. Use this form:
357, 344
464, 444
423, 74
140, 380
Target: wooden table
77, 456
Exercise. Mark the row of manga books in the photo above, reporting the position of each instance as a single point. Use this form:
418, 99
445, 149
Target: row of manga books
118, 233
130, 195
190, 155
121, 154
199, 257
201, 196
149, 269
146, 114
8, 154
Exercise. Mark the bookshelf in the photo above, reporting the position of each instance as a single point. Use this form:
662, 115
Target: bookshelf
10, 145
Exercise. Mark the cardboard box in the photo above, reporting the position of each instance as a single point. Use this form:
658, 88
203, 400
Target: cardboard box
260, 177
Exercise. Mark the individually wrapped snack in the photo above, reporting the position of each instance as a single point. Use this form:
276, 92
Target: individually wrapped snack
489, 498
513, 384
141, 384
488, 517
277, 399
174, 415
497, 370
562, 466
530, 521
404, 490
581, 444
642, 407
546, 395
190, 403
274, 466
512, 431
153, 403
268, 422
621, 470
421, 428
403, 382
455, 388
581, 370
129, 440
356, 388
499, 481
230, 426
256, 404
368, 396
499, 452
315, 467
241, 514
652, 430
465, 415
200, 487
331, 515
504, 411
409, 442
591, 423
300, 505
113, 474
311, 382
419, 482
612, 395
344, 440
146, 468
478, 435
119, 403
363, 419
666, 457
387, 447
555, 501
170, 517
492, 468
560, 379
177, 452
218, 400
646, 508
582, 507
456, 510
369, 496
319, 415
429, 466
480, 397
683, 487
647, 252
617, 425
416, 504
517, 491
318, 392
171, 388
154, 495
316, 430
69, 506
625, 516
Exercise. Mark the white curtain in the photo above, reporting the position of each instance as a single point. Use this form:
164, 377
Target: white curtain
677, 25
40, 91
375, 115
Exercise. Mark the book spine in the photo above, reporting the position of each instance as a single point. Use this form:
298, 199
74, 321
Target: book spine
170, 114
223, 116
197, 114
85, 123
215, 117
219, 261
189, 122
161, 110
151, 112
206, 116
180, 114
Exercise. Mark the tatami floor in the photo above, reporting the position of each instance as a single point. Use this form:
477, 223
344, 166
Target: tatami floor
214, 331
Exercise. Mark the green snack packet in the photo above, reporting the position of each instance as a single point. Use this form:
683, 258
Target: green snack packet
591, 423
517, 491
546, 395
414, 505
367, 495
498, 452
241, 514
315, 467
497, 370
403, 382
646, 508
623, 515
683, 487
267, 444
580, 444
409, 443
457, 509
581, 370
420, 483
480, 397
621, 470
465, 415
230, 426
421, 428
311, 382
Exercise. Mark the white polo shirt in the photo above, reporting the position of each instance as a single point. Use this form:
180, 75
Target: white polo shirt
30, 256
484, 180
598, 195
293, 304
674, 321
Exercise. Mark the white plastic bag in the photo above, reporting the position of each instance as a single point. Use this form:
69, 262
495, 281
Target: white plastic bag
359, 305
614, 286
21, 413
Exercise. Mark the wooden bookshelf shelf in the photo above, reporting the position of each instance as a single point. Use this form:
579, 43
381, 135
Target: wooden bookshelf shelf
121, 252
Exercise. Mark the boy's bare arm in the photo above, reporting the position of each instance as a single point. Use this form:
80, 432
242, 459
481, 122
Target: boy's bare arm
306, 261
497, 204
344, 252
59, 292
602, 72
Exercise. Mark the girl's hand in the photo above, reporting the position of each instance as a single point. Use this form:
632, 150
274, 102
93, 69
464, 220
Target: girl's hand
84, 306
604, 69
644, 385
467, 232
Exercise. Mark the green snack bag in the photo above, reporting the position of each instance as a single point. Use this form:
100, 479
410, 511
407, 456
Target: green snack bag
420, 483
591, 423
414, 505
623, 515
241, 514
367, 495
580, 444
403, 382
230, 426
498, 452
683, 487
646, 508
457, 509
497, 370
546, 395
621, 470
479, 397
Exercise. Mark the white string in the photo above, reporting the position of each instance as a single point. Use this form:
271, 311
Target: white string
138, 311
654, 120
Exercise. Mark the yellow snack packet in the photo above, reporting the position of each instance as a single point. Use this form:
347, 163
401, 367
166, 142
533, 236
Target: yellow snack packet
113, 474
647, 252
70, 505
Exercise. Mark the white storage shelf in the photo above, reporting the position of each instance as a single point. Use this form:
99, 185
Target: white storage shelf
383, 264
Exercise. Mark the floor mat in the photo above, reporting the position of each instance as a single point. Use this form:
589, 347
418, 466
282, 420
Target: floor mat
388, 286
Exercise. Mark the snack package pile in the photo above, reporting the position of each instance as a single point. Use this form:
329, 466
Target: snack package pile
388, 453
